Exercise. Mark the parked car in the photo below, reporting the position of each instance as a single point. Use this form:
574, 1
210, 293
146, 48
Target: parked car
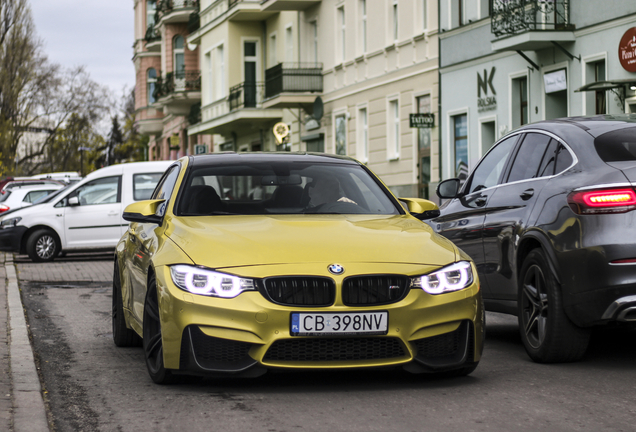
7, 185
326, 269
68, 177
24, 196
547, 216
85, 216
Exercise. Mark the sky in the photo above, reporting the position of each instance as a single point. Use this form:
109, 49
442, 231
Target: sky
96, 34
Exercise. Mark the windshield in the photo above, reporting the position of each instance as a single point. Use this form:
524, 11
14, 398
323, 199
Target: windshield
51, 196
282, 188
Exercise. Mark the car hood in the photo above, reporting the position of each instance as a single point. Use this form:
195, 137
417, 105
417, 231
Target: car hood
233, 241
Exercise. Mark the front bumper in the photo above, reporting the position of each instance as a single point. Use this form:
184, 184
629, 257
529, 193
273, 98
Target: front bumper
248, 334
11, 238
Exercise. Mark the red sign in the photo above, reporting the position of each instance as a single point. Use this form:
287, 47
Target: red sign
627, 50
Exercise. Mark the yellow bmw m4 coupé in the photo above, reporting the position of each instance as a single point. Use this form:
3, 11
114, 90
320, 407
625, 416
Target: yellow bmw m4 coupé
240, 263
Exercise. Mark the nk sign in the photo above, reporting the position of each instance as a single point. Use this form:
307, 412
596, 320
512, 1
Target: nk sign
422, 120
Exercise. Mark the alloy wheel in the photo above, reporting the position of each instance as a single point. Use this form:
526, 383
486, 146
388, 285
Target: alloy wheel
534, 306
45, 247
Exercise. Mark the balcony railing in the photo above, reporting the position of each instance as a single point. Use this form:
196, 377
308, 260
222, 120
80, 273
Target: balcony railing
177, 83
152, 35
294, 78
246, 95
231, 3
510, 17
164, 7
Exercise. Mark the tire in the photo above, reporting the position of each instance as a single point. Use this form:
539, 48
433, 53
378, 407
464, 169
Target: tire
152, 340
122, 335
43, 245
547, 333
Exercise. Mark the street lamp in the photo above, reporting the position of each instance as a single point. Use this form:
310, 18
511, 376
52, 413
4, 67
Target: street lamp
82, 150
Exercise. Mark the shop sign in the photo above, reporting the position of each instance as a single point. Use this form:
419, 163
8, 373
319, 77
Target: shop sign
422, 120
200, 149
486, 102
175, 142
555, 81
627, 50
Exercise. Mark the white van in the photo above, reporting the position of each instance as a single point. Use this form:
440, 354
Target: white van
84, 216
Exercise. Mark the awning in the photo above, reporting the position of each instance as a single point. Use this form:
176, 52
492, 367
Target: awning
606, 85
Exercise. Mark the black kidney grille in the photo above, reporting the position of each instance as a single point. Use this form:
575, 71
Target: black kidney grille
335, 349
443, 345
374, 290
301, 291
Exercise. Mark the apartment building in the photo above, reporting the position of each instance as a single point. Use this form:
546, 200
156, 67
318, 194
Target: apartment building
506, 63
347, 77
168, 84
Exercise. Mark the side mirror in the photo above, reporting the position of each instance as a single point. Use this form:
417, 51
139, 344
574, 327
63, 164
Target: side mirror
149, 211
420, 208
448, 188
73, 201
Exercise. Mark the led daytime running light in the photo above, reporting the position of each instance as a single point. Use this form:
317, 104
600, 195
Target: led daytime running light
452, 278
207, 282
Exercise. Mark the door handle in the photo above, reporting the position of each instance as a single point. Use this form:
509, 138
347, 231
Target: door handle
527, 194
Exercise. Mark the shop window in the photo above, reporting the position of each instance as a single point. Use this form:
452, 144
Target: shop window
460, 145
519, 102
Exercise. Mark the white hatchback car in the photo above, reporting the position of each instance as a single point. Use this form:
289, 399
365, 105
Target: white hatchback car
24, 196
86, 216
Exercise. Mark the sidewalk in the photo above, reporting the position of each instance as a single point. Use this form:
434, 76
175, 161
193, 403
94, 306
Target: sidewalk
21, 403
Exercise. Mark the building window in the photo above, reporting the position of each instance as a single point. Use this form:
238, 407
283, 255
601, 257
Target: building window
363, 26
341, 34
314, 33
424, 15
424, 147
289, 44
179, 56
273, 61
599, 95
457, 13
395, 19
151, 82
519, 101
341, 134
460, 145
393, 132
150, 13
362, 152
250, 70
220, 72
209, 94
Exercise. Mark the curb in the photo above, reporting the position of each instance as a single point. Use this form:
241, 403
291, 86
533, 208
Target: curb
29, 412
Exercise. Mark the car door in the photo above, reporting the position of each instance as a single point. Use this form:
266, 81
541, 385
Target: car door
95, 222
141, 243
509, 209
462, 219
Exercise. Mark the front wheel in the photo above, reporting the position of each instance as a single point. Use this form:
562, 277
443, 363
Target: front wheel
152, 340
43, 245
547, 333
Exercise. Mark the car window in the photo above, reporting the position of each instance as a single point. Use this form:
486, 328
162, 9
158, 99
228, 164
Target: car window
144, 185
36, 195
617, 146
5, 195
166, 184
282, 188
529, 157
100, 191
564, 159
488, 172
549, 159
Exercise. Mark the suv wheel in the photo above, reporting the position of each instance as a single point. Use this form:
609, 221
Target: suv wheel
547, 333
43, 245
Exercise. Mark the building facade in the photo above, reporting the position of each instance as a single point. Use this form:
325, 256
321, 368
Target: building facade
506, 63
339, 76
168, 84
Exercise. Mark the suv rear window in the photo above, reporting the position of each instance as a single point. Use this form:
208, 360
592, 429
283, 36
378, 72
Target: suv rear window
617, 146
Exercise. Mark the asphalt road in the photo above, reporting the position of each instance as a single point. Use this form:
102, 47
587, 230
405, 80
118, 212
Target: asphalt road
92, 385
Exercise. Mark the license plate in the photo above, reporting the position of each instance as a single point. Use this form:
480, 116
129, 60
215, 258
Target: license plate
354, 323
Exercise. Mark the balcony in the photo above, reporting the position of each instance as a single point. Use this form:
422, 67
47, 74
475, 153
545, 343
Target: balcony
287, 5
530, 24
175, 11
246, 10
177, 92
242, 111
153, 39
292, 85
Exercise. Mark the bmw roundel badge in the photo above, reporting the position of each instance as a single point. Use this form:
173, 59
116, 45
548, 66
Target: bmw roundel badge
336, 269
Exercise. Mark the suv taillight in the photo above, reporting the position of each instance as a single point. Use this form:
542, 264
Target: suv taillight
3, 208
601, 201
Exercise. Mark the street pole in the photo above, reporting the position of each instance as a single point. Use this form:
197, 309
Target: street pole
82, 150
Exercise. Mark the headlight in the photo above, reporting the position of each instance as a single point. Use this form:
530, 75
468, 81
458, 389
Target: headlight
10, 223
452, 278
207, 282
